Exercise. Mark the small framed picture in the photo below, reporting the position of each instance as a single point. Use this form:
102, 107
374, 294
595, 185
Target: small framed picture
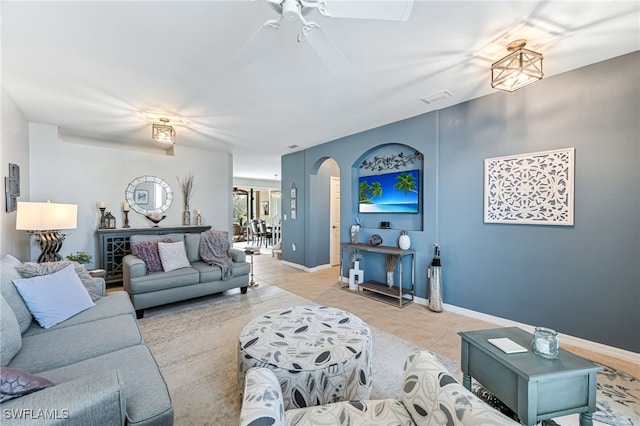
293, 204
293, 191
293, 215
141, 196
265, 208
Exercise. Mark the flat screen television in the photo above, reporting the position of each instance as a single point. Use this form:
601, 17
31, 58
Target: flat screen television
396, 192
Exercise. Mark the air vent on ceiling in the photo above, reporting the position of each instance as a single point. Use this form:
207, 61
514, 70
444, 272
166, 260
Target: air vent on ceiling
437, 96
293, 146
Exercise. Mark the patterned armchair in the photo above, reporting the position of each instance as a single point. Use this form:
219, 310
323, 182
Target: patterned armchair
429, 396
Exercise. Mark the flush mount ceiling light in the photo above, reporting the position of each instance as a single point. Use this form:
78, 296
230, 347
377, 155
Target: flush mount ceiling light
517, 69
163, 133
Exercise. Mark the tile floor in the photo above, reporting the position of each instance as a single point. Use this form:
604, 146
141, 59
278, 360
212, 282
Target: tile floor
415, 323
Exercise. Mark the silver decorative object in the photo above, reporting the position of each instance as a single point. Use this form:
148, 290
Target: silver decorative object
355, 231
375, 240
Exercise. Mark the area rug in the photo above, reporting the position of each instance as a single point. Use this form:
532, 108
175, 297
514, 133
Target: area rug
617, 400
195, 345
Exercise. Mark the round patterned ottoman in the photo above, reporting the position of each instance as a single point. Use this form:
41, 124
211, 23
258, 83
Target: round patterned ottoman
319, 354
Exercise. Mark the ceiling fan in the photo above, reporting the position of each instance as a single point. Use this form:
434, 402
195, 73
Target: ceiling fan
295, 11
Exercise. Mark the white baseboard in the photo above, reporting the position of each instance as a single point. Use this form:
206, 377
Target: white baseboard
564, 338
304, 268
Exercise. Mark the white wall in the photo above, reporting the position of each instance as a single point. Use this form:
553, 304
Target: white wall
86, 174
14, 149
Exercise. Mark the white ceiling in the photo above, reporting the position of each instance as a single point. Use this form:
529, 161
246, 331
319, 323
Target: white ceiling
94, 68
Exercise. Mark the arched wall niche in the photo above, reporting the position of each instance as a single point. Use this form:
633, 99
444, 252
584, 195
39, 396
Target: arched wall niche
391, 159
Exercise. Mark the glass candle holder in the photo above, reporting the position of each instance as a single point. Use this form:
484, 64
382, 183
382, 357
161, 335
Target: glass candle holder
545, 343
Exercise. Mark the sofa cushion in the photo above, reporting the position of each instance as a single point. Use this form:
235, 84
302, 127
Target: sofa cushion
8, 273
210, 273
163, 280
147, 397
433, 397
32, 269
55, 297
192, 244
16, 383
68, 345
365, 412
173, 256
113, 304
148, 252
10, 338
142, 238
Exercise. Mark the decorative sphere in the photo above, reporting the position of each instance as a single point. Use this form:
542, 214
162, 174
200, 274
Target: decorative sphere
375, 240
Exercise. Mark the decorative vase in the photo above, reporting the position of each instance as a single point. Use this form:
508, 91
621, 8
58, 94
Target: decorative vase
186, 216
404, 242
355, 230
545, 343
389, 279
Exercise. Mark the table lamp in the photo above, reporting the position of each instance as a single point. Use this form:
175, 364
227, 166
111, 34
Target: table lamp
45, 220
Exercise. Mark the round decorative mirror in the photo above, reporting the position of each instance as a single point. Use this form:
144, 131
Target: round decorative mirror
149, 194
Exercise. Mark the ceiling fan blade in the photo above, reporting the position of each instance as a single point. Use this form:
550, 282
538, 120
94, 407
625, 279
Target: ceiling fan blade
389, 10
257, 43
325, 48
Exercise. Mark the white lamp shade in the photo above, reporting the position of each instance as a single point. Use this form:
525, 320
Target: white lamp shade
46, 216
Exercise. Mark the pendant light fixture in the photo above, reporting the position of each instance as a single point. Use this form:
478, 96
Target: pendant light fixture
164, 133
519, 68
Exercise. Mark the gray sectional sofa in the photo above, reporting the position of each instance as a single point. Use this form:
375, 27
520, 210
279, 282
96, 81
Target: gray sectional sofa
102, 372
148, 289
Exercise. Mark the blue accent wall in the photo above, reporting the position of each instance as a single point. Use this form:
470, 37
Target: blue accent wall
582, 280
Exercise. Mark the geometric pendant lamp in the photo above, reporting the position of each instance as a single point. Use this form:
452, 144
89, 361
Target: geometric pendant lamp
519, 68
163, 133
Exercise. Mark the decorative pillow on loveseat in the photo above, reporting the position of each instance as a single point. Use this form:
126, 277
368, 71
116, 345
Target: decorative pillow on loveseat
147, 251
173, 256
32, 269
54, 298
15, 383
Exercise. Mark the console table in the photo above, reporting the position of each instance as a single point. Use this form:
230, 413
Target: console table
113, 245
396, 295
535, 388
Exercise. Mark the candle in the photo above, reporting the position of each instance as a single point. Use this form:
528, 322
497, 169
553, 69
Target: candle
101, 205
125, 206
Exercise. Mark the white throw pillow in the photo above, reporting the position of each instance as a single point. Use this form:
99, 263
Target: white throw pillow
173, 256
55, 297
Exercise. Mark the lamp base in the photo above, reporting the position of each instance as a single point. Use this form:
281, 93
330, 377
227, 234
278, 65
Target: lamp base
50, 243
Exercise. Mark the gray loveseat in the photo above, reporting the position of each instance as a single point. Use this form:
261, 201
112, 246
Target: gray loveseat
200, 279
429, 396
102, 372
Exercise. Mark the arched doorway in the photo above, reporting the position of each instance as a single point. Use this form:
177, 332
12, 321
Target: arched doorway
324, 213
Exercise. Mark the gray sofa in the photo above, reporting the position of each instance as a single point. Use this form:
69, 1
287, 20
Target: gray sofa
101, 370
429, 396
200, 279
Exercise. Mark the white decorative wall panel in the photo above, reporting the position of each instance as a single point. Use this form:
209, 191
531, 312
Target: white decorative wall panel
533, 189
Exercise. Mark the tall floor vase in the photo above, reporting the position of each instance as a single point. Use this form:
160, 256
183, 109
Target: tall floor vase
435, 288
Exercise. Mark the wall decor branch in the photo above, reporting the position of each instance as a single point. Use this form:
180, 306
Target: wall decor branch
390, 162
533, 189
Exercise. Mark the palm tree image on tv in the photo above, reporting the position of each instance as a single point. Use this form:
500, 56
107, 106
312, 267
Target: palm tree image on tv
369, 191
396, 192
405, 183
